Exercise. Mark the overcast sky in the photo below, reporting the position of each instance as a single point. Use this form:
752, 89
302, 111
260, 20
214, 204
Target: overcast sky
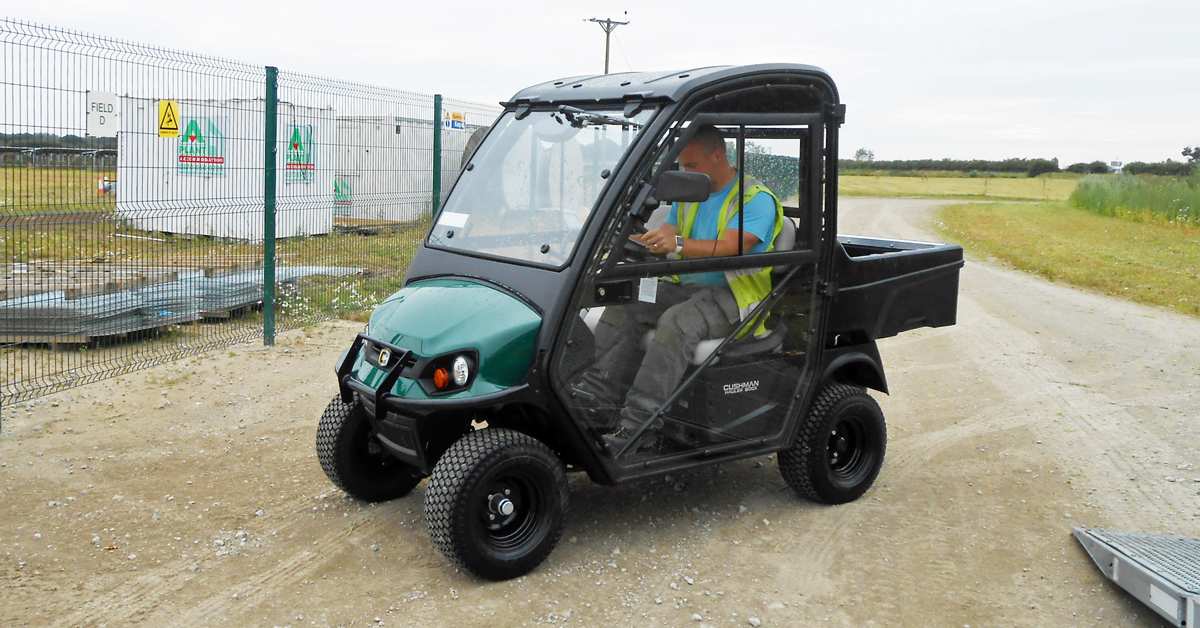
1080, 81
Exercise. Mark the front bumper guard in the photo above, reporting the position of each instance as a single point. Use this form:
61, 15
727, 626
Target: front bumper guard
403, 435
401, 361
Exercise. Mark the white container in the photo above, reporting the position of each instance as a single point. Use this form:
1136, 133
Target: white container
212, 184
384, 167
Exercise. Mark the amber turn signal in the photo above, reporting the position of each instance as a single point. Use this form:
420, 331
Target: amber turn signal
441, 378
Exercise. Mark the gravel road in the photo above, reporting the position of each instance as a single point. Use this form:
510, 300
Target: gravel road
189, 494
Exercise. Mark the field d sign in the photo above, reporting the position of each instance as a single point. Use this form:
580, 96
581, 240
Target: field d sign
102, 112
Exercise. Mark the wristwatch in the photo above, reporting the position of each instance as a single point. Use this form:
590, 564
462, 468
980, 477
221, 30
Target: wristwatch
678, 245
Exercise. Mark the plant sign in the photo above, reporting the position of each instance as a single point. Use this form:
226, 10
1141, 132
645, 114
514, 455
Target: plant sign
300, 156
202, 148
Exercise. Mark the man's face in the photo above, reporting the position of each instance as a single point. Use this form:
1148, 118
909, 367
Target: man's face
695, 158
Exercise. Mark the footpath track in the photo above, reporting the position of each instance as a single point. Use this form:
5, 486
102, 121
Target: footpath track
189, 495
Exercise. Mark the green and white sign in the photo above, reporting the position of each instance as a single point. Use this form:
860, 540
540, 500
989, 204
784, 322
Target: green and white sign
202, 148
300, 155
341, 197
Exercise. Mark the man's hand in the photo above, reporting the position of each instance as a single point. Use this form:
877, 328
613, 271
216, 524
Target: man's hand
660, 240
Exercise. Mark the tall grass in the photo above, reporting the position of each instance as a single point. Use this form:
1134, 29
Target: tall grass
1151, 198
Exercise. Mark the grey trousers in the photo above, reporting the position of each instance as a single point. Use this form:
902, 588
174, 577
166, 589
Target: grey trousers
682, 317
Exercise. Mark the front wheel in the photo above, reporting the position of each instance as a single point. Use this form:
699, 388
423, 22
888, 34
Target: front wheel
496, 503
355, 461
840, 448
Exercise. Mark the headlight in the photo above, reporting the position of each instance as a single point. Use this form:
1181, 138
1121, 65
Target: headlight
462, 372
450, 372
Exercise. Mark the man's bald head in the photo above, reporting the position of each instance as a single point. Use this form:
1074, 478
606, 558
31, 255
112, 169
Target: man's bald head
705, 153
710, 139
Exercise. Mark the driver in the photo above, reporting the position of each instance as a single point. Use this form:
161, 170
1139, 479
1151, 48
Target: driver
687, 309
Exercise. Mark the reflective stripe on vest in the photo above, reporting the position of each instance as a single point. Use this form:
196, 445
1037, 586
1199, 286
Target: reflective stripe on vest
749, 285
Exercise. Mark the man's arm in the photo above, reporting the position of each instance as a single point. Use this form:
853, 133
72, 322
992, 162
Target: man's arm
662, 240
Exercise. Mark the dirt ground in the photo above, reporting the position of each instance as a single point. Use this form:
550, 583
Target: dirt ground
190, 495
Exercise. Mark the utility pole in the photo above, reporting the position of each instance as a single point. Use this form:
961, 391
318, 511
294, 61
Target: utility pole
609, 26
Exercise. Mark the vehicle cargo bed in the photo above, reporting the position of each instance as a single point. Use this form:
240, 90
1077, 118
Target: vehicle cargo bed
885, 287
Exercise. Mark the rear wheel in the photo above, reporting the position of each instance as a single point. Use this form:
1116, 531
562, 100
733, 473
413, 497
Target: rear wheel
355, 461
840, 448
496, 503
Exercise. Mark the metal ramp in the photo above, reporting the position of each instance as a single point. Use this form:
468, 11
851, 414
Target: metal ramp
1163, 572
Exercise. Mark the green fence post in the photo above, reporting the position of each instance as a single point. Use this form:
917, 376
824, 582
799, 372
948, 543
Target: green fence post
269, 140
437, 154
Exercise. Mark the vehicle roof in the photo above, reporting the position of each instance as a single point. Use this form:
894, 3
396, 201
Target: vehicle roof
671, 86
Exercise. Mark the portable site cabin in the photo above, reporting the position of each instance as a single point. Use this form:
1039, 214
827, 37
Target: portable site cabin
384, 166
209, 180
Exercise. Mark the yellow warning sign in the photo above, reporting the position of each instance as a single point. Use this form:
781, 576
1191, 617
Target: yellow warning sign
168, 118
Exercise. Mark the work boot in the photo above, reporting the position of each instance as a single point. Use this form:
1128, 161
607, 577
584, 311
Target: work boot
649, 443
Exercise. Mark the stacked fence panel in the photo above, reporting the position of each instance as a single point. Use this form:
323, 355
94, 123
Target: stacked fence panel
132, 178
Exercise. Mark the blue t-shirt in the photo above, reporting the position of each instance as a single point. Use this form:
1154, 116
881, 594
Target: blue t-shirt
759, 219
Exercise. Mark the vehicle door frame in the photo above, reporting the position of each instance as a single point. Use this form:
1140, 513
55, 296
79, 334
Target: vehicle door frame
820, 190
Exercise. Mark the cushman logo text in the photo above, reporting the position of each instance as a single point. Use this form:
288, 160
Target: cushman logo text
733, 389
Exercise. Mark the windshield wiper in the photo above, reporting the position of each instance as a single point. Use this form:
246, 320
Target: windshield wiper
580, 118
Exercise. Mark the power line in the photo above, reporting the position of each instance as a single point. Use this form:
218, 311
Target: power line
609, 26
623, 55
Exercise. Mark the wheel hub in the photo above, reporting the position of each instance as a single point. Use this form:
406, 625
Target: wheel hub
848, 449
503, 502
843, 443
501, 505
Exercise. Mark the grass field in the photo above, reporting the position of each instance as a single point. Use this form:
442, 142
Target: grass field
1151, 263
983, 188
27, 191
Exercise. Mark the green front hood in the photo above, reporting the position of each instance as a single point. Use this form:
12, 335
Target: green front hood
438, 316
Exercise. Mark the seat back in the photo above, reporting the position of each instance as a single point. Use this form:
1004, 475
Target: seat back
785, 241
659, 216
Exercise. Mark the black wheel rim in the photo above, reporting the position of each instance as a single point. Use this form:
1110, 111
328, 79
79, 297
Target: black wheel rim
850, 452
511, 511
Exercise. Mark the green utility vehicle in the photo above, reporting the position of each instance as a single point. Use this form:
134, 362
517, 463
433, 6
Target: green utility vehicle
474, 374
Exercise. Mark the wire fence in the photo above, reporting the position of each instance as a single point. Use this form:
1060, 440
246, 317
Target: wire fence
147, 214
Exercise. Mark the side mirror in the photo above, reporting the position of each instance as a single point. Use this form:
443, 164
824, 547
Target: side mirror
677, 186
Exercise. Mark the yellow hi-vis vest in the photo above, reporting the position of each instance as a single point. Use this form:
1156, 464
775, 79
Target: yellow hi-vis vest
749, 285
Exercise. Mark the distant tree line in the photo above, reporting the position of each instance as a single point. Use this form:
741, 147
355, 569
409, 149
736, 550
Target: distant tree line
1166, 168
1169, 167
1095, 167
50, 140
865, 160
1031, 167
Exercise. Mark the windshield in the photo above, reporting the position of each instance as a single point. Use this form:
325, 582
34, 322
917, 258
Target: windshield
532, 185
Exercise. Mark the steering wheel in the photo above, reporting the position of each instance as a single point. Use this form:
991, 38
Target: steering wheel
635, 252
